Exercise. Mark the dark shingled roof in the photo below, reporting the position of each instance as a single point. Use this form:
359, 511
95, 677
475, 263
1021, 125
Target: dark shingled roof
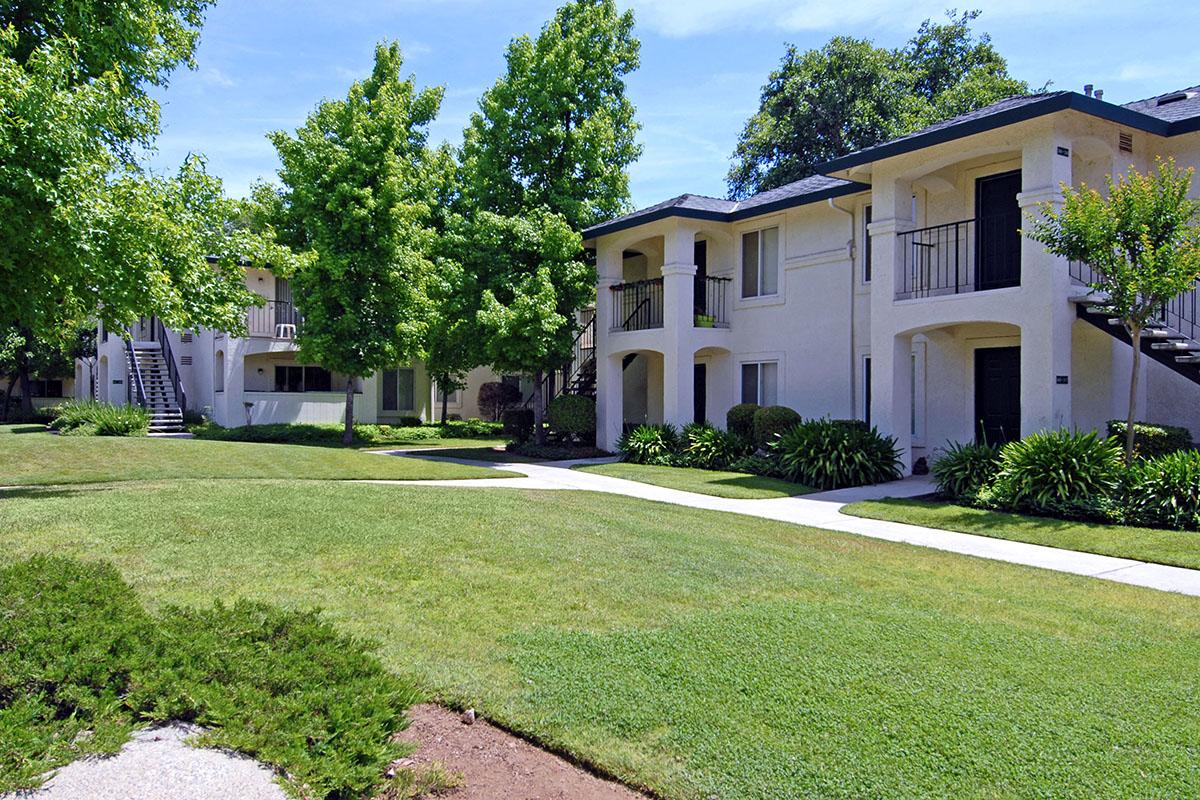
1165, 115
694, 206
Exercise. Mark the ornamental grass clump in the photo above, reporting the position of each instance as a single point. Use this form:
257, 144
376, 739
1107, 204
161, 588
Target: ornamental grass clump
826, 454
89, 418
650, 444
1059, 473
706, 447
1165, 492
964, 469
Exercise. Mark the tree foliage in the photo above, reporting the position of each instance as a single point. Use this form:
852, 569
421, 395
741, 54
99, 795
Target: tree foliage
360, 192
1141, 237
851, 94
84, 232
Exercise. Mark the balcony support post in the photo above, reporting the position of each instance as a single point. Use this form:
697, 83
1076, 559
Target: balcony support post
678, 350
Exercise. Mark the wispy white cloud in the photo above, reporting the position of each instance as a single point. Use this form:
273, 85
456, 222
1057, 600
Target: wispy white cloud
215, 77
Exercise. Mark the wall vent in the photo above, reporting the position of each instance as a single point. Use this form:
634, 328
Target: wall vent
186, 338
185, 361
1167, 99
1125, 142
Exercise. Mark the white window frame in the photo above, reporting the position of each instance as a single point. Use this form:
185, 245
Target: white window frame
761, 261
759, 364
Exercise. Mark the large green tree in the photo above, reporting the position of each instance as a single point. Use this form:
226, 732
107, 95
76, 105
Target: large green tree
84, 231
549, 150
851, 94
1141, 238
360, 190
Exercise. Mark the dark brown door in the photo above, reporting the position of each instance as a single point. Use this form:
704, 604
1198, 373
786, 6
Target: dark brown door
700, 393
997, 231
700, 288
997, 394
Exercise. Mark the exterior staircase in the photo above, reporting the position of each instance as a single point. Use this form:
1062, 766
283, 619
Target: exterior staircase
156, 391
1173, 340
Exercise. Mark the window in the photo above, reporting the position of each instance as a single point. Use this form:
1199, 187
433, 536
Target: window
760, 263
45, 388
760, 383
453, 398
399, 390
866, 382
866, 249
296, 378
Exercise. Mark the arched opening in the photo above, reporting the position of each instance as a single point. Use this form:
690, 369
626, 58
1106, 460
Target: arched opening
641, 388
102, 383
219, 372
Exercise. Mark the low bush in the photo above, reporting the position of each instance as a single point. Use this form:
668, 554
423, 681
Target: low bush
1058, 473
473, 428
827, 455
964, 469
650, 444
88, 418
739, 420
82, 662
1164, 492
572, 415
772, 422
1152, 441
706, 447
757, 464
517, 424
555, 452
330, 435
495, 397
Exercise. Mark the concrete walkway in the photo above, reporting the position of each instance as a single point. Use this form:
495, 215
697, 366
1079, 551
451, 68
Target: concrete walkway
823, 510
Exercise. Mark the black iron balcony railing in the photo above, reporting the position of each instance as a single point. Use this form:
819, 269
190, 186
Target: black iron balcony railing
1180, 314
970, 255
638, 306
275, 320
711, 301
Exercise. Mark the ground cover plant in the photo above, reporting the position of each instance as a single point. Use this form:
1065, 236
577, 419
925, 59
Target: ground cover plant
801, 662
30, 455
365, 434
82, 663
89, 418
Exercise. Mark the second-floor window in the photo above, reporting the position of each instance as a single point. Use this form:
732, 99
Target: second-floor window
760, 263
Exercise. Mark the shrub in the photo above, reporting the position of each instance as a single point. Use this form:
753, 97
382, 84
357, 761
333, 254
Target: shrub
79, 653
706, 447
518, 424
554, 452
1059, 473
757, 464
826, 455
650, 444
1165, 491
964, 469
852, 423
473, 428
1152, 441
773, 421
572, 415
89, 418
495, 397
740, 420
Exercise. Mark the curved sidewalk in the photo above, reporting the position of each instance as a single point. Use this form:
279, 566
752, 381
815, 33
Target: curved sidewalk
823, 510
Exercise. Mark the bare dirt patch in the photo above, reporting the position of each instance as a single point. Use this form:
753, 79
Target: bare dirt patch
496, 765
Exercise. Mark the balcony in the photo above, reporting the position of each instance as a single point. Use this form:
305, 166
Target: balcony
274, 320
710, 302
638, 305
972, 255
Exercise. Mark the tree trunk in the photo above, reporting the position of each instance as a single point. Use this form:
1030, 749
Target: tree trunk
348, 433
26, 395
1135, 334
539, 408
12, 381
445, 401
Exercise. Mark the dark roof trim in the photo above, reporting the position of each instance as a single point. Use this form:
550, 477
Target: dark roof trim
1068, 101
634, 220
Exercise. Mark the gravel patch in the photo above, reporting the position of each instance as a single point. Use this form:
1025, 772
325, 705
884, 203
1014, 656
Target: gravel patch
156, 764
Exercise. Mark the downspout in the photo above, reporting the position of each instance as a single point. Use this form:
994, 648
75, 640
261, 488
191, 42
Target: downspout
850, 256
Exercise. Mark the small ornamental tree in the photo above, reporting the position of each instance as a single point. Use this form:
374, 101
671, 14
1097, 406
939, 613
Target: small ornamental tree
359, 191
1143, 242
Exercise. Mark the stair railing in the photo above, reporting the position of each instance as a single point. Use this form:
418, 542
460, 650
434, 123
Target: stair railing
583, 350
160, 332
135, 369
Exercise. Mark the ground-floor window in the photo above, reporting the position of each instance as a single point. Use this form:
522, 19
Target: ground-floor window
399, 389
297, 378
453, 398
760, 383
39, 387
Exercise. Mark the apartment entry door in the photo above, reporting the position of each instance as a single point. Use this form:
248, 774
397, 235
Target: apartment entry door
699, 393
997, 394
997, 231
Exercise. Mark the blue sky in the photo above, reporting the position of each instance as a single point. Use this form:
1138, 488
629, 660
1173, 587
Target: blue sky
263, 64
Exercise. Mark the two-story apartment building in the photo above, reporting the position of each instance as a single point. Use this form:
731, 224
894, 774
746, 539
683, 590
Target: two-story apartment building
256, 378
896, 287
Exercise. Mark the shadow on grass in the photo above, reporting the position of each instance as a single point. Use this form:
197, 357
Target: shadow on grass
760, 484
43, 492
950, 516
29, 429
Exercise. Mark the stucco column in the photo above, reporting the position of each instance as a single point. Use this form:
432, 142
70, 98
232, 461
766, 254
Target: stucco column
891, 397
609, 385
678, 355
1046, 329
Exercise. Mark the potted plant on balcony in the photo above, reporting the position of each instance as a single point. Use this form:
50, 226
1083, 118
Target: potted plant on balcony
705, 321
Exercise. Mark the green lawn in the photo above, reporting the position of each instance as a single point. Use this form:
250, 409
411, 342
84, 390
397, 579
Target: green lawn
735, 485
1177, 548
701, 654
29, 455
